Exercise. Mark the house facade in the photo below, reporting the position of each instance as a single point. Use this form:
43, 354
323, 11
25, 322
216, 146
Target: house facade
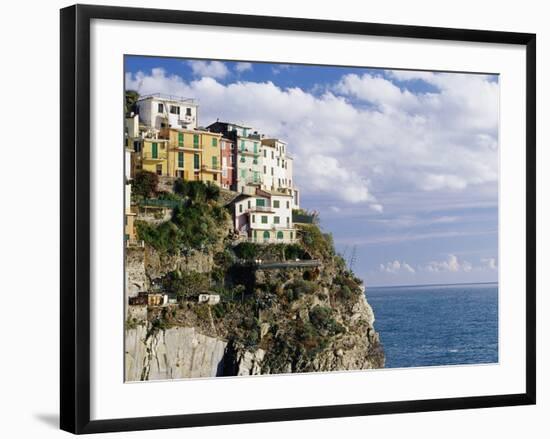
277, 168
211, 167
227, 152
185, 154
159, 111
265, 217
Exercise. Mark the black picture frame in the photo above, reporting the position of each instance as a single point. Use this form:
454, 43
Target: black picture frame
75, 217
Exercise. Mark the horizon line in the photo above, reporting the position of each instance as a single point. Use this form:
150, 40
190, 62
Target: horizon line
430, 285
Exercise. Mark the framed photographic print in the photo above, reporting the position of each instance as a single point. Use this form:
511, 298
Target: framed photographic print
268, 218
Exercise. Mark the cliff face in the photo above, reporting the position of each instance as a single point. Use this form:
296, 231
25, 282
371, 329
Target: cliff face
281, 317
182, 352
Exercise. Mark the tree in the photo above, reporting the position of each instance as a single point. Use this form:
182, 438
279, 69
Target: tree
131, 98
185, 284
145, 184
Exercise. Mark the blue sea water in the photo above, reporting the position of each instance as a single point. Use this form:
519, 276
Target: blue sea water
438, 324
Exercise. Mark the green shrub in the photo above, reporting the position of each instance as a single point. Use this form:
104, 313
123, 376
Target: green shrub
317, 243
185, 284
299, 288
201, 311
197, 191
145, 184
247, 250
322, 318
163, 237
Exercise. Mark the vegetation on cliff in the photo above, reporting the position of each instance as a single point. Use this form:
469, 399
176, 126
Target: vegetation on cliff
302, 319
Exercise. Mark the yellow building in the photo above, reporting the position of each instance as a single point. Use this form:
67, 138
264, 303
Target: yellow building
211, 158
154, 156
185, 154
194, 155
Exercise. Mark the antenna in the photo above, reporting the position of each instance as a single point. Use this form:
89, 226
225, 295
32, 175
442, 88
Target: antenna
353, 258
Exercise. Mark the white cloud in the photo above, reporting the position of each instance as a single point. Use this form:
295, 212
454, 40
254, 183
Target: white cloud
451, 264
210, 69
489, 263
367, 140
243, 67
395, 267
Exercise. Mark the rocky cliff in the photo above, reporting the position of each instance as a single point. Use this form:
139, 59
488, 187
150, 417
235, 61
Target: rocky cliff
274, 316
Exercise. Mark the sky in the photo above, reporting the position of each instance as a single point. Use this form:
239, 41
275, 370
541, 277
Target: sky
401, 165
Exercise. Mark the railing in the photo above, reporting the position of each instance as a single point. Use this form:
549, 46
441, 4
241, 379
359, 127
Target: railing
253, 181
213, 168
260, 209
135, 243
168, 97
304, 218
269, 240
148, 202
150, 157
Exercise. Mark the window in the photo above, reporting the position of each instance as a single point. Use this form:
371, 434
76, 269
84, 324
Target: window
278, 161
195, 140
160, 108
137, 146
291, 235
240, 208
264, 219
174, 109
196, 161
266, 236
249, 204
260, 202
279, 182
180, 139
180, 159
214, 141
159, 169
265, 169
276, 204
155, 150
188, 111
265, 152
272, 155
271, 171
255, 147
255, 161
255, 234
242, 159
287, 220
279, 235
253, 218
288, 204
214, 162
276, 220
242, 145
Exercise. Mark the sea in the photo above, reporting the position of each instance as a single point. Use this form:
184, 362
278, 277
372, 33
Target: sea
437, 325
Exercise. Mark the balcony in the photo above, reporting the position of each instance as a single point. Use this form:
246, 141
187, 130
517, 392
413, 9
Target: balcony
253, 181
148, 156
269, 240
267, 209
249, 153
212, 168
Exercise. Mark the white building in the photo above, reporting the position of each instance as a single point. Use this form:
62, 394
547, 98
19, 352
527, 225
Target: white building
277, 168
265, 217
160, 111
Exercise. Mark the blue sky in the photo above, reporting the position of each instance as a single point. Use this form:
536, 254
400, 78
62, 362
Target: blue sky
402, 165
